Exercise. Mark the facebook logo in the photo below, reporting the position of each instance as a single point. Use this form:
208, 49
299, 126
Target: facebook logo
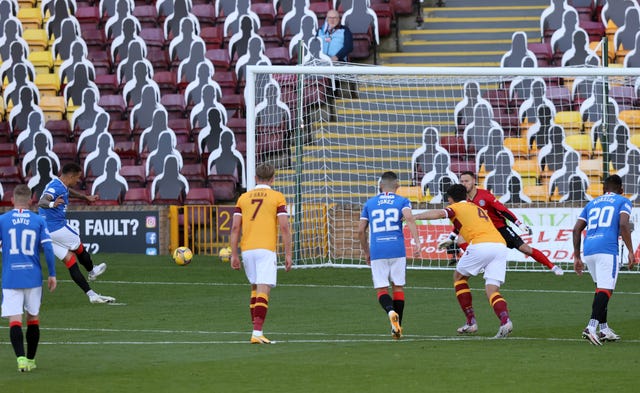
152, 237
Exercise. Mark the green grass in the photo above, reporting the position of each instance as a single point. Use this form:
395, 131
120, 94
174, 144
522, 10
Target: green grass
186, 329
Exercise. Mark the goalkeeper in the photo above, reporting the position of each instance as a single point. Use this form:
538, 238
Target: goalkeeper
499, 215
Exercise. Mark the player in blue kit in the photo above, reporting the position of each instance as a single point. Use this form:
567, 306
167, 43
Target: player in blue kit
66, 241
383, 215
605, 218
23, 233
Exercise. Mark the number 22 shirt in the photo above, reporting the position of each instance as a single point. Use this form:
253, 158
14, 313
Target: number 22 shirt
384, 213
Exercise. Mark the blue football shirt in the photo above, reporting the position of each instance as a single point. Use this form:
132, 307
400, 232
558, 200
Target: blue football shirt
23, 233
602, 216
384, 213
55, 217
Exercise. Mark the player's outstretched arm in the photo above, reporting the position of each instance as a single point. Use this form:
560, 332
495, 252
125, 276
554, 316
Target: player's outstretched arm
625, 233
509, 215
413, 229
578, 266
364, 242
236, 226
285, 233
76, 194
431, 214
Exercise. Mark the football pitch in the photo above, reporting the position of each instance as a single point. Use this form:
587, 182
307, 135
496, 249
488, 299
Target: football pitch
186, 329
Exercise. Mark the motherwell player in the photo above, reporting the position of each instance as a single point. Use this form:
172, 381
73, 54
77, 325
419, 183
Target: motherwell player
486, 252
499, 215
258, 215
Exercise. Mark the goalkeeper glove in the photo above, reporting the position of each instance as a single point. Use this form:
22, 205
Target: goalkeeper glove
447, 241
524, 227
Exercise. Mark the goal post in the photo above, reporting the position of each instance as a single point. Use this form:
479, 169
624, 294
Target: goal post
541, 139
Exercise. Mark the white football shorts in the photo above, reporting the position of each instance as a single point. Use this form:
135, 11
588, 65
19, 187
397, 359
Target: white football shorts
16, 301
603, 269
63, 240
492, 257
389, 269
260, 266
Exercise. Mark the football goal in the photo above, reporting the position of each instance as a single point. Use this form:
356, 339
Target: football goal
541, 139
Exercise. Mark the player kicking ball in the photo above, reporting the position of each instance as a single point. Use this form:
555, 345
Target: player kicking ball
383, 215
487, 251
67, 245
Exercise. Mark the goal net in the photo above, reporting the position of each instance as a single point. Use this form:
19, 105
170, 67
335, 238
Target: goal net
541, 139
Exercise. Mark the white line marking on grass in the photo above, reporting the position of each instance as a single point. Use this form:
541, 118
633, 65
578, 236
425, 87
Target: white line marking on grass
322, 341
295, 338
332, 286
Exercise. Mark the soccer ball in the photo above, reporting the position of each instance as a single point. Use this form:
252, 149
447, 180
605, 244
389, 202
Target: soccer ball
182, 256
225, 254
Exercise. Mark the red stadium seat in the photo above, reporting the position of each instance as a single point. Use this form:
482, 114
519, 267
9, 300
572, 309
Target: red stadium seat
205, 14
153, 36
115, 105
543, 52
386, 20
270, 35
561, 97
8, 150
403, 7
498, 98
212, 36
226, 79
66, 151
88, 15
147, 15
219, 58
10, 174
120, 130
279, 56
224, 187
195, 174
361, 46
134, 174
265, 12
137, 196
199, 196
189, 152
127, 150
60, 130
107, 83
175, 105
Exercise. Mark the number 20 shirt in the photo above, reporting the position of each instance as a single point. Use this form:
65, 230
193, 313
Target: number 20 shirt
384, 213
602, 216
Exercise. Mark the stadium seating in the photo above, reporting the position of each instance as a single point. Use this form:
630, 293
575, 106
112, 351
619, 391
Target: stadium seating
92, 22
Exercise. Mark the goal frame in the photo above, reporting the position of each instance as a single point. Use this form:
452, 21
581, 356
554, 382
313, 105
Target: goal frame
497, 72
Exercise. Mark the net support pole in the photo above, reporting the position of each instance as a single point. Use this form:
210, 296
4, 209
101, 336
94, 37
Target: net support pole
299, 131
605, 103
250, 102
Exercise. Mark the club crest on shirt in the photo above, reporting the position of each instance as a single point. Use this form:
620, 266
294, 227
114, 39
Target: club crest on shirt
482, 203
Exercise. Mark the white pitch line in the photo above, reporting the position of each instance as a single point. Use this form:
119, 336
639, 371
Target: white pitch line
224, 284
330, 337
323, 341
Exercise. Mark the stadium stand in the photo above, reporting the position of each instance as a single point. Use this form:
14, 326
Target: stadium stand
106, 41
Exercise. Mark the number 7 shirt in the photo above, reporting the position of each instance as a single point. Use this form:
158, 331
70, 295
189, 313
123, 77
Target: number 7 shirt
260, 209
